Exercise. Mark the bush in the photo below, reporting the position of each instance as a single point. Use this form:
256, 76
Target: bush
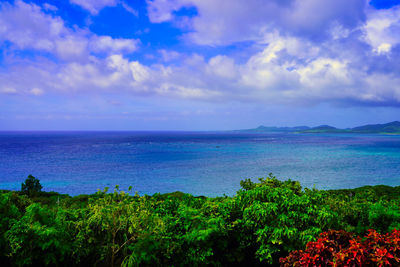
31, 186
340, 248
264, 221
278, 217
8, 214
39, 237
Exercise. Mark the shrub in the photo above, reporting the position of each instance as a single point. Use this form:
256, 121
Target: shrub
340, 248
264, 221
8, 213
278, 217
39, 237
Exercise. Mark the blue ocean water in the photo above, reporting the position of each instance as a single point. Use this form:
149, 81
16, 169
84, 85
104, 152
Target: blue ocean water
201, 163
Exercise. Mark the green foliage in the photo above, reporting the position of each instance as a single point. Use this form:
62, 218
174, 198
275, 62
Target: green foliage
110, 224
39, 236
384, 216
366, 208
9, 213
264, 221
247, 184
31, 186
281, 217
183, 229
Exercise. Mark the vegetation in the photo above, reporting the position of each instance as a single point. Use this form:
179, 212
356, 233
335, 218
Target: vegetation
387, 128
340, 248
31, 186
269, 129
262, 223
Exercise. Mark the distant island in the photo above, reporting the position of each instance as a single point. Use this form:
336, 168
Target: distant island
387, 128
275, 129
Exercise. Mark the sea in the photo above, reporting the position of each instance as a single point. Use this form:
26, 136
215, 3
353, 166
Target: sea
200, 163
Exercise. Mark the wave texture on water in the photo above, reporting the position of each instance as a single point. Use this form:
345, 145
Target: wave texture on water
210, 164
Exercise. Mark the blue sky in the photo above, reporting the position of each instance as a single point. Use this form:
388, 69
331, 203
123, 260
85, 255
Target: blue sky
198, 64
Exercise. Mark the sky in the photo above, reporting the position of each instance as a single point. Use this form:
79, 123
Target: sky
198, 64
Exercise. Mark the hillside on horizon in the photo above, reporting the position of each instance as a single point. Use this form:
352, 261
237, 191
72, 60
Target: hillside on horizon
386, 128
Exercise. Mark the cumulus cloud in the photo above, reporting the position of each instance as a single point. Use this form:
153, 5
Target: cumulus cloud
113, 45
161, 10
221, 22
352, 60
26, 26
382, 30
223, 67
268, 76
313, 51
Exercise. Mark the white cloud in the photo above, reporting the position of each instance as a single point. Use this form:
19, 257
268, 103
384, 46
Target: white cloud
383, 48
161, 10
139, 72
286, 65
223, 66
113, 45
82, 77
49, 7
273, 75
94, 6
171, 89
221, 22
8, 90
381, 88
382, 30
168, 55
27, 27
131, 70
36, 91
324, 72
130, 9
71, 47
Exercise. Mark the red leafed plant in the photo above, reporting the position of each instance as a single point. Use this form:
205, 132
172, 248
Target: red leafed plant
340, 248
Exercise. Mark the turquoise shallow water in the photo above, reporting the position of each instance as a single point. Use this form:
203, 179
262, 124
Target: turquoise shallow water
208, 164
